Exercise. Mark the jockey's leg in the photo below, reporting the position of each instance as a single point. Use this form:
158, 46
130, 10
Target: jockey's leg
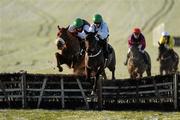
125, 63
105, 49
59, 60
82, 45
171, 51
144, 57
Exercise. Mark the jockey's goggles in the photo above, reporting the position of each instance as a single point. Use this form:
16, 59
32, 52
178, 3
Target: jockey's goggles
97, 24
79, 29
136, 35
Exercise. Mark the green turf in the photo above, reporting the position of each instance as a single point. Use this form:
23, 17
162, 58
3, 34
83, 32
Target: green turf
86, 115
28, 29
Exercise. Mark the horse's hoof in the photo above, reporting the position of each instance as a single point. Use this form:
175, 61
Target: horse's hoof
60, 69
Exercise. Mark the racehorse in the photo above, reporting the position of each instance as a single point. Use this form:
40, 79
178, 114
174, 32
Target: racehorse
136, 65
95, 61
69, 46
167, 63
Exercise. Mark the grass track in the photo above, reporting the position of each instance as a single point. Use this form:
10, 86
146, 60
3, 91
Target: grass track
86, 115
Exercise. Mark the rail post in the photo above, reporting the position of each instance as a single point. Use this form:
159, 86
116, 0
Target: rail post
23, 89
175, 91
62, 93
2, 87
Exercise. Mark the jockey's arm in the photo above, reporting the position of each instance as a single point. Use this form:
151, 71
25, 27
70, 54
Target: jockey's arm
143, 43
91, 29
130, 42
103, 32
72, 30
83, 34
161, 40
171, 42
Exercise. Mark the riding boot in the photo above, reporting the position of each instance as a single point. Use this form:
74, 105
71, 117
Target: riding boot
105, 49
125, 63
171, 51
145, 58
82, 48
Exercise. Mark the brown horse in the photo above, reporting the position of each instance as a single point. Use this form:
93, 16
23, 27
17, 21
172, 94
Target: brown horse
95, 59
169, 60
136, 65
69, 46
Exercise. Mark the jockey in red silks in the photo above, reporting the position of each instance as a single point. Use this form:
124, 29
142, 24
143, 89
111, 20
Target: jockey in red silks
137, 38
80, 28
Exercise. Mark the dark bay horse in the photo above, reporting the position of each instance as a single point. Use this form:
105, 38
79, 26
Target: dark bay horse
136, 65
69, 46
95, 59
167, 63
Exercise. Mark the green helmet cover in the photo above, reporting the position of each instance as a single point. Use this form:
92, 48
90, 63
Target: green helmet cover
78, 23
97, 18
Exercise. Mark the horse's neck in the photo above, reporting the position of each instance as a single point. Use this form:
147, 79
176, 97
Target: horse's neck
72, 42
136, 53
164, 52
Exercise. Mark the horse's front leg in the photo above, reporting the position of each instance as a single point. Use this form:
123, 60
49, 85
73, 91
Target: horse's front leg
113, 75
88, 73
59, 59
161, 70
94, 86
104, 75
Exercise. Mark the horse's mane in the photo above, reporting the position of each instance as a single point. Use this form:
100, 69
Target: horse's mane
134, 50
90, 36
163, 50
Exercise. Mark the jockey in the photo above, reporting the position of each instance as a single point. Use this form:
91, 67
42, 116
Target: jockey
100, 28
137, 38
80, 28
168, 42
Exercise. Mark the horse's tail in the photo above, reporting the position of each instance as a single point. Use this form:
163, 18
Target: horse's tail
112, 60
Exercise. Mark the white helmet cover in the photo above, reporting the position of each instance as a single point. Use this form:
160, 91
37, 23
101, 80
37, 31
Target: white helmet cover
165, 34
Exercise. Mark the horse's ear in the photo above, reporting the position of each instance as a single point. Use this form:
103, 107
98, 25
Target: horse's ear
58, 27
158, 43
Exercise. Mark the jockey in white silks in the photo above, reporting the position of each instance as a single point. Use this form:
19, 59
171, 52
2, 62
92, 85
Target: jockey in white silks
100, 28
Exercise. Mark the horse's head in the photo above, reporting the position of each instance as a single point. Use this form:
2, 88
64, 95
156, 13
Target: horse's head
162, 49
91, 42
134, 50
61, 38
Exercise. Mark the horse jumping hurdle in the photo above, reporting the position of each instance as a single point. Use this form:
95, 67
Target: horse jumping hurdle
55, 91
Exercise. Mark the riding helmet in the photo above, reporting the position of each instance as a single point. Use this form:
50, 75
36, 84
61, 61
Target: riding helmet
136, 30
78, 23
97, 19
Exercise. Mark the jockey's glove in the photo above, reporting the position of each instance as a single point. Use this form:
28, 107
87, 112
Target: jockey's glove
140, 47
